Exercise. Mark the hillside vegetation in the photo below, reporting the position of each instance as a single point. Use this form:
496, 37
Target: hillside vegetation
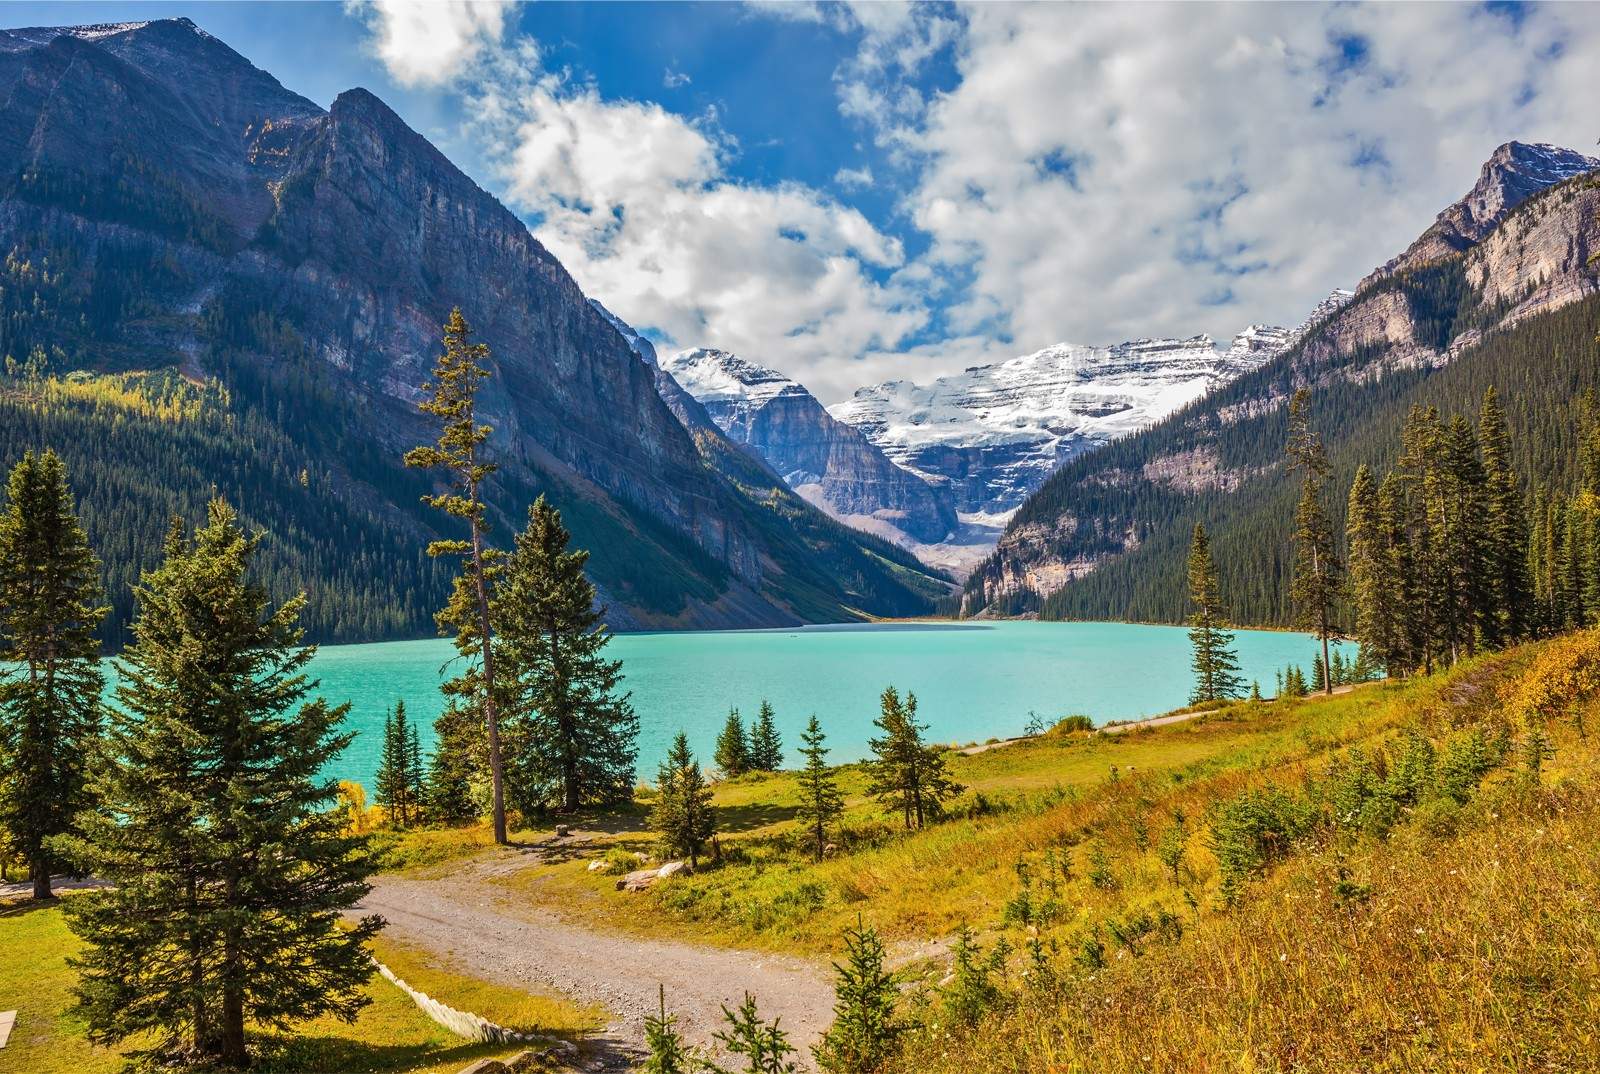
1399, 877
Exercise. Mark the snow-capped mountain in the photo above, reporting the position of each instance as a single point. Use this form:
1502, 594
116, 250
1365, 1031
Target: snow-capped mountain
993, 433
824, 460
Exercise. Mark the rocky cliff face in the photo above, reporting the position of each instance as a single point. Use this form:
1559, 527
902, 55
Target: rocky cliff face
828, 462
1515, 172
222, 224
994, 433
1521, 243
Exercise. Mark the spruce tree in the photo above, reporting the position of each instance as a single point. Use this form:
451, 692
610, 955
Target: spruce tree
682, 815
766, 747
391, 770
732, 755
1375, 584
820, 800
907, 775
399, 777
228, 865
1505, 530
1314, 590
457, 766
452, 400
865, 1033
50, 689
574, 732
1215, 663
666, 1052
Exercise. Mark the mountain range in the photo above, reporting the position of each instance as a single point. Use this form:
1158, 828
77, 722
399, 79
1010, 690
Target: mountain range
1503, 289
211, 282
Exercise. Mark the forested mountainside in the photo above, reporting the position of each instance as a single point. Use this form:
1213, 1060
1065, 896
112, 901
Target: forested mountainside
1500, 291
208, 281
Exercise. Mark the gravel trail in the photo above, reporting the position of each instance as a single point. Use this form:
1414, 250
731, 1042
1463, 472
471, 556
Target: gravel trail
487, 933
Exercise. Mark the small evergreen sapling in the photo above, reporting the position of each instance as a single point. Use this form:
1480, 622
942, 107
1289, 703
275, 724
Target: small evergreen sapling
866, 1031
683, 816
820, 800
732, 755
766, 748
764, 1048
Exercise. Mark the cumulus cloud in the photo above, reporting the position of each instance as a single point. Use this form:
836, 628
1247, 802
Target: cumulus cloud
430, 42
637, 203
1107, 172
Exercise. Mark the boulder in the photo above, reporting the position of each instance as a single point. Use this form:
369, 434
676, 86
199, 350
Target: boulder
830, 849
596, 865
563, 830
672, 868
637, 880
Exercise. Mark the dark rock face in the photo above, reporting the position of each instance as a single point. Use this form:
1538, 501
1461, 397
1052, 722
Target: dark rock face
278, 228
830, 463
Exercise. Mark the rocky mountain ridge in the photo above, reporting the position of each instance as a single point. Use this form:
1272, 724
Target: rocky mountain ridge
1522, 244
826, 461
993, 434
212, 221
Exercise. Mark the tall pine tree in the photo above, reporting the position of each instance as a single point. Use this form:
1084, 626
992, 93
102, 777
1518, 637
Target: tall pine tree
399, 778
573, 732
228, 866
1376, 585
820, 800
1316, 583
452, 400
1505, 530
1215, 664
50, 691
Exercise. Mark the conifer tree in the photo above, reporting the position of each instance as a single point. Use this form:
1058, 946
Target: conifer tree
1505, 530
452, 399
666, 1052
907, 775
228, 866
683, 816
50, 689
732, 755
766, 748
1316, 583
1320, 680
866, 1032
820, 800
399, 774
1376, 618
457, 765
574, 733
1215, 663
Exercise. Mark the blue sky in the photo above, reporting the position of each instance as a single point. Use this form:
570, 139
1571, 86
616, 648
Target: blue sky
859, 192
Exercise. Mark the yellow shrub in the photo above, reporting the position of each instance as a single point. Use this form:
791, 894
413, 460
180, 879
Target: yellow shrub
1562, 680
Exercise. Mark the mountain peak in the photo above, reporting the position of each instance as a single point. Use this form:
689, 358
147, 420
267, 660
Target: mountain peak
1513, 173
708, 373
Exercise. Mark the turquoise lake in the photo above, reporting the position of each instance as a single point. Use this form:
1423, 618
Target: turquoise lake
973, 681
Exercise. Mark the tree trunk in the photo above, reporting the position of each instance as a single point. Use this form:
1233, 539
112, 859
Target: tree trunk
490, 718
40, 868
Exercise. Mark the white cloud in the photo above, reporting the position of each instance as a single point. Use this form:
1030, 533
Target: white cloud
430, 42
636, 202
1109, 172
853, 178
674, 79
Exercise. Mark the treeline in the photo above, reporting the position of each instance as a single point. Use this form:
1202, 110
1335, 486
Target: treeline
1542, 368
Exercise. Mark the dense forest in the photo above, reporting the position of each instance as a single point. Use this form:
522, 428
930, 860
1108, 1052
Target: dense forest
1541, 369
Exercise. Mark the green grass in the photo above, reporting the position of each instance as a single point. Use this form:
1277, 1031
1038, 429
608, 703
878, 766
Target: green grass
390, 1034
768, 894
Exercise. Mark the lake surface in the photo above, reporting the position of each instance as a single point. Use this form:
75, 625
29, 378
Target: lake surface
973, 681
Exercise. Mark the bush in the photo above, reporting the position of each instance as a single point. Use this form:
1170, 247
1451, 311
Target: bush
1069, 725
1252, 830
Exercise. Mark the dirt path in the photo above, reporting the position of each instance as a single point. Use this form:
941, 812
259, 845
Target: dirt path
471, 921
